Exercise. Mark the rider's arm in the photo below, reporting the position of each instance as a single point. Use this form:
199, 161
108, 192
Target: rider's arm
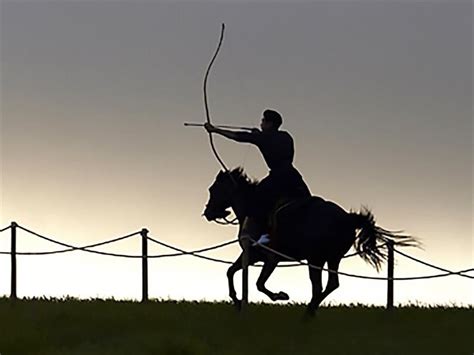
243, 137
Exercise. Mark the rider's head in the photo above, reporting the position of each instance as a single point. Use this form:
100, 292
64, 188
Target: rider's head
271, 120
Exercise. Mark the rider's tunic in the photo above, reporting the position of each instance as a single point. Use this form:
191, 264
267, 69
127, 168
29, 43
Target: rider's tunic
283, 180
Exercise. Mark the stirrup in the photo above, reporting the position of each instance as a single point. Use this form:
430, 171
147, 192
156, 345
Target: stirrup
264, 239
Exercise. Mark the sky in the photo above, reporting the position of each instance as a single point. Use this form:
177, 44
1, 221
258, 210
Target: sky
377, 95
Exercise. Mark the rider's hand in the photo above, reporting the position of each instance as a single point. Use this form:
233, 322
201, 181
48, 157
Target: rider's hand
209, 127
255, 130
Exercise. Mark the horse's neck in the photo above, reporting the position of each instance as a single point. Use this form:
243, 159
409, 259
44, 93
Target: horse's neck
240, 205
239, 211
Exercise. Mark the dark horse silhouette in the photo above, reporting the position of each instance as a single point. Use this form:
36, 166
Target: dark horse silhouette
315, 230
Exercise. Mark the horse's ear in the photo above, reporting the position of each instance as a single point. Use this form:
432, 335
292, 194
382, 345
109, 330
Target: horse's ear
237, 171
220, 174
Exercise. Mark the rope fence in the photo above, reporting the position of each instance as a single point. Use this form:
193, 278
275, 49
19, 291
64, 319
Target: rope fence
302, 263
197, 253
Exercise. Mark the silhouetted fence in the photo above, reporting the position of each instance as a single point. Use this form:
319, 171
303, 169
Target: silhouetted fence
13, 227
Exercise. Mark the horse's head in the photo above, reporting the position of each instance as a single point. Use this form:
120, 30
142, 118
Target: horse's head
220, 196
222, 193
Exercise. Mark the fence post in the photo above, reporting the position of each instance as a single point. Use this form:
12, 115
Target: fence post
144, 234
245, 273
13, 295
390, 245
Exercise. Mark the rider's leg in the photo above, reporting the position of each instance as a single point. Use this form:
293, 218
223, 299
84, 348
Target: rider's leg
256, 221
265, 199
250, 229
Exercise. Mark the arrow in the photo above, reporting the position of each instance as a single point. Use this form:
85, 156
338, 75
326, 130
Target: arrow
192, 124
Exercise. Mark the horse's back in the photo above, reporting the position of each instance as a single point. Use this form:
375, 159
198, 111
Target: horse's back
327, 210
316, 225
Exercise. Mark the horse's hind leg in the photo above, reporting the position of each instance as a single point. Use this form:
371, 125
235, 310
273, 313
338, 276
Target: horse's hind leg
333, 278
333, 281
268, 267
315, 277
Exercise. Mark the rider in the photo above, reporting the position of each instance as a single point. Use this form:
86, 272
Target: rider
283, 180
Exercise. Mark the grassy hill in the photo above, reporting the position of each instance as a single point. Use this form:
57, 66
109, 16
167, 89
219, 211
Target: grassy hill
53, 327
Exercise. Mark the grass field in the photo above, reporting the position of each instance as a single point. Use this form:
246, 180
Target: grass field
72, 327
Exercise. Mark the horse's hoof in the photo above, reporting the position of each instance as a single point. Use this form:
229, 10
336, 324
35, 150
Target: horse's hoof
282, 296
238, 305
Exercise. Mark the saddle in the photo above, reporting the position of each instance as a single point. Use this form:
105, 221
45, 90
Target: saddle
286, 208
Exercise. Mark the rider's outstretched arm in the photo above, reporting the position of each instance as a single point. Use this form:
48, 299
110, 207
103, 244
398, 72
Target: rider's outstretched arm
243, 137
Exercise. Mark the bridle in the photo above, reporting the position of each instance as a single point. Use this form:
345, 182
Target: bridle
233, 222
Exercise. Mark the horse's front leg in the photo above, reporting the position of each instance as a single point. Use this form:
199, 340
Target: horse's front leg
236, 266
254, 256
270, 263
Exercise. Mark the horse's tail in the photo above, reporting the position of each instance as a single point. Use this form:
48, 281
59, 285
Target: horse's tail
371, 240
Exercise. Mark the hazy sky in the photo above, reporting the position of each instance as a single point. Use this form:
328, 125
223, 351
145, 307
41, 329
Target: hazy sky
377, 94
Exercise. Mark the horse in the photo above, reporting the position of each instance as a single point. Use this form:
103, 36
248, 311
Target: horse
315, 230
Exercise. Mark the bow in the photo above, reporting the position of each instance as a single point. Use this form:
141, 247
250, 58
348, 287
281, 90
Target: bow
206, 106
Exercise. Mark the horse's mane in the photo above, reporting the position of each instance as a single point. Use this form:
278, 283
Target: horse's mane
242, 178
